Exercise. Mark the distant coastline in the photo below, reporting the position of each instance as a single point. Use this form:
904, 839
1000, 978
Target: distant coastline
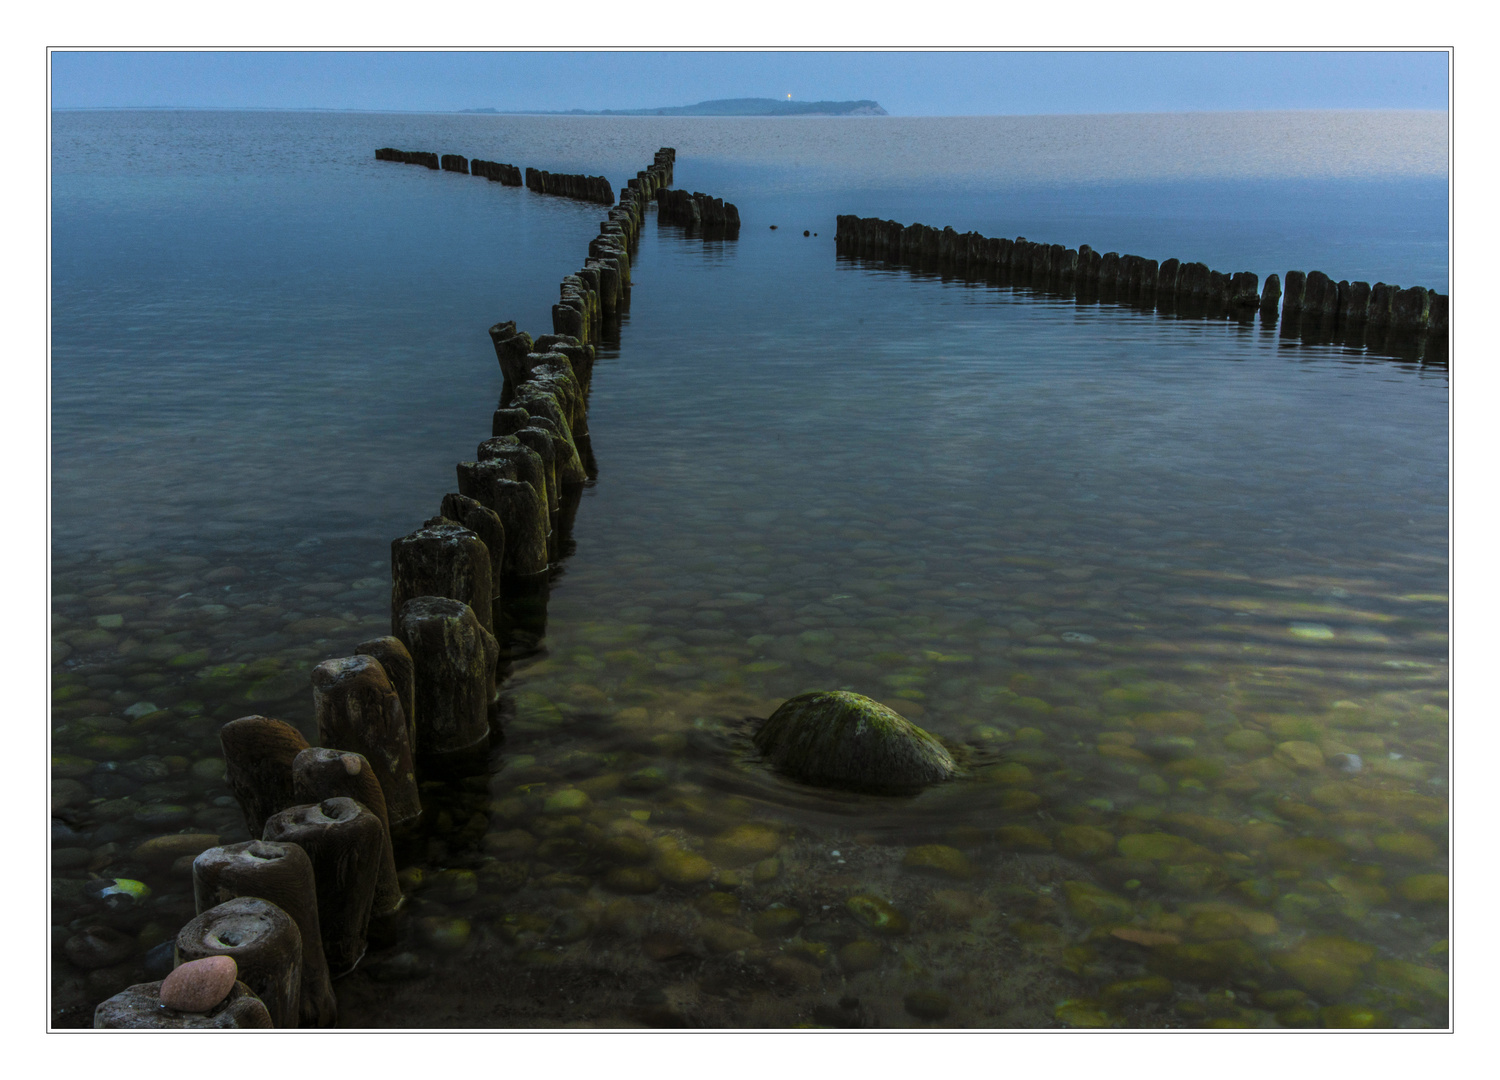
720, 107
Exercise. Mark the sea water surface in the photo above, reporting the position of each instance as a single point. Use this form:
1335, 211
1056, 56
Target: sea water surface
1174, 590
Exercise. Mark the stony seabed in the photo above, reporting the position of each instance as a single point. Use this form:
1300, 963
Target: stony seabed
1119, 851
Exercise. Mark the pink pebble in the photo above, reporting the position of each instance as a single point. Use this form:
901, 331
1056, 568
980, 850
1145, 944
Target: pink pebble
199, 985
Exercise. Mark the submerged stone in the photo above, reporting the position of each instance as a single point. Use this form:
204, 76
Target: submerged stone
1082, 1014
1425, 888
1326, 966
683, 867
927, 1004
745, 844
718, 904
1247, 741
939, 859
859, 956
1085, 841
1405, 845
1092, 904
790, 971
1302, 756
957, 904
567, 801
632, 879
625, 850
1019, 802
1138, 991
1154, 846
843, 739
877, 914
777, 921
721, 937
1207, 961
1352, 1016
1415, 978
1022, 838
445, 935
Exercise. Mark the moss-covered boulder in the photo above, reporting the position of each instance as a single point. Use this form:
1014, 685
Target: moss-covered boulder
840, 739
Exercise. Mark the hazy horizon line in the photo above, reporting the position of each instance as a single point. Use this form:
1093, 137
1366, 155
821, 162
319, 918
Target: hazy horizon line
641, 115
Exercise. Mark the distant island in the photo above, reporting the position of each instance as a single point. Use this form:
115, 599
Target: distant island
723, 107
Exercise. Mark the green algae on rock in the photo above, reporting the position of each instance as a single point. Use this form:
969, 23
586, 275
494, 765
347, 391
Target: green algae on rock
877, 914
745, 844
1425, 888
843, 739
683, 867
1326, 966
1095, 905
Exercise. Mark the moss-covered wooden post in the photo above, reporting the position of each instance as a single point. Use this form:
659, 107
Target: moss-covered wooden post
282, 874
358, 710
344, 842
455, 659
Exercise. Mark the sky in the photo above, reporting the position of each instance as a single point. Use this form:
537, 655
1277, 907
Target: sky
905, 83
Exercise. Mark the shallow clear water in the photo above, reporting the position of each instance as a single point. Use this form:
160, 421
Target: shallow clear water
1150, 577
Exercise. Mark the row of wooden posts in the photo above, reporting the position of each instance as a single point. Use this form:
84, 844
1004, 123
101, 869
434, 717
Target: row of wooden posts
408, 157
498, 171
575, 186
699, 212
572, 185
1314, 300
295, 907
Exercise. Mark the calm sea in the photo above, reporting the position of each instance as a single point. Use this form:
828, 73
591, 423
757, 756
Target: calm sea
1176, 590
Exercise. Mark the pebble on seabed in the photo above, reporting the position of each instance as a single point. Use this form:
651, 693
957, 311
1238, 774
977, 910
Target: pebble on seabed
567, 801
859, 956
98, 947
745, 844
1425, 888
1302, 756
1326, 966
777, 921
877, 914
939, 859
632, 879
682, 867
1082, 1014
445, 935
928, 1004
199, 985
119, 894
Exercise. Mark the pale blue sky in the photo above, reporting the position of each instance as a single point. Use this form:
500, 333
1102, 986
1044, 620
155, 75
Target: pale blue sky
906, 83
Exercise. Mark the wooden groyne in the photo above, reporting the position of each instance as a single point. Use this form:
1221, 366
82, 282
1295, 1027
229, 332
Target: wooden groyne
597, 189
1387, 318
509, 175
497, 171
588, 188
698, 212
409, 157
306, 900
1346, 306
